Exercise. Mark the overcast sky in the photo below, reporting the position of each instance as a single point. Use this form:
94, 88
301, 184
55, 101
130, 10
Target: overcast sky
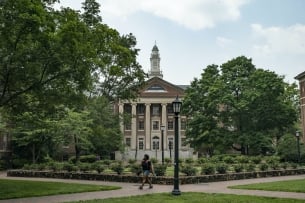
192, 34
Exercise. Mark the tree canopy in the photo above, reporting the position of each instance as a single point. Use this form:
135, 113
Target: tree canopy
238, 106
56, 54
56, 66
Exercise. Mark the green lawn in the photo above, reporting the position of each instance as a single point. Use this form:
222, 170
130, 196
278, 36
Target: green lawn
195, 198
285, 186
19, 188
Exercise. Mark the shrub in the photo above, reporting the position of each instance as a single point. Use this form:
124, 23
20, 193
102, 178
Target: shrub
106, 162
132, 161
68, 166
84, 167
41, 166
228, 160
284, 165
27, 167
99, 167
208, 169
221, 168
167, 160
136, 168
189, 160
55, 166
272, 159
88, 158
154, 160
117, 167
19, 163
160, 169
242, 159
238, 168
263, 166
216, 159
256, 159
250, 167
294, 165
202, 160
189, 170
275, 165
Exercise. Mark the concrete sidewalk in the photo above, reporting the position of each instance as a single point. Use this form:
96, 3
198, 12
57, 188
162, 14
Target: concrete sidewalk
131, 189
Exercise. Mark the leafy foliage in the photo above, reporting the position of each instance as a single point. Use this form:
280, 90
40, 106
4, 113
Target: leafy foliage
237, 106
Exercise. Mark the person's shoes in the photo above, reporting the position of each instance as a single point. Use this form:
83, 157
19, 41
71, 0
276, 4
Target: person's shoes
141, 187
150, 187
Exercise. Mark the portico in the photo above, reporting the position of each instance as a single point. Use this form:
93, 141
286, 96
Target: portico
151, 110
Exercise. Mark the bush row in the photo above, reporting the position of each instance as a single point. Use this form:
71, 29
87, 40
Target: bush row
132, 167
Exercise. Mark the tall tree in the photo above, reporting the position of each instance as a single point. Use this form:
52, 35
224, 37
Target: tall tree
251, 107
44, 52
75, 127
106, 135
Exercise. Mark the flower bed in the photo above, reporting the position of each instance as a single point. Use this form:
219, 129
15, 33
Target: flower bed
156, 180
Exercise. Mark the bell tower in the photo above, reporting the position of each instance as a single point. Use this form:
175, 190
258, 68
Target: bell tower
155, 63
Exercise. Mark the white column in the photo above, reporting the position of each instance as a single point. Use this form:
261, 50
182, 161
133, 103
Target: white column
133, 125
164, 122
147, 126
121, 111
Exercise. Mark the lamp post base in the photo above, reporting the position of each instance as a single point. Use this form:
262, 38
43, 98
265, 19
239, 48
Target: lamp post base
176, 192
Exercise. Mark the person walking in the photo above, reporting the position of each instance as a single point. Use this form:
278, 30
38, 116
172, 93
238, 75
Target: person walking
147, 168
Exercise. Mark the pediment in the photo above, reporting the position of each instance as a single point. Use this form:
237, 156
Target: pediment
157, 87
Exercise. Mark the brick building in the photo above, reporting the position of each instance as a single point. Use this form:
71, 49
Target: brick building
301, 78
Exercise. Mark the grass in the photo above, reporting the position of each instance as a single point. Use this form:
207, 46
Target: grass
19, 188
195, 198
285, 186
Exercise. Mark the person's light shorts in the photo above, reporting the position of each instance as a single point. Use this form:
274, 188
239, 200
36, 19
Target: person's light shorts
146, 173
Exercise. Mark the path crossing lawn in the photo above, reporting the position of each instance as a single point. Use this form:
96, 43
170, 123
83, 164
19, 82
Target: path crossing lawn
19, 188
284, 186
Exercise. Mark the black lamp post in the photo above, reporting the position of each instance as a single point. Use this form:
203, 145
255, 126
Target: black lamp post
297, 134
170, 146
162, 142
176, 108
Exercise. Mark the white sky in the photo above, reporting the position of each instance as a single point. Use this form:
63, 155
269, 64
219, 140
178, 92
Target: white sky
192, 34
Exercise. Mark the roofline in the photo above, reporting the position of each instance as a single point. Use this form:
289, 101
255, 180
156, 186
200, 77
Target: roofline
300, 76
167, 83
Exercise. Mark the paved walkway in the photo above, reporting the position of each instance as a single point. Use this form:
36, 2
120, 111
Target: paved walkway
130, 189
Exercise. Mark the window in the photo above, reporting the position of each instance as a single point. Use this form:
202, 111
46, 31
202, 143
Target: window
183, 142
128, 126
141, 125
155, 110
183, 124
170, 143
141, 143
128, 141
170, 109
155, 125
127, 108
170, 125
156, 143
140, 109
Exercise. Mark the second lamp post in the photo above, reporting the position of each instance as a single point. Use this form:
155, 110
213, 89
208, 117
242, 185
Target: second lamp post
176, 109
162, 142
